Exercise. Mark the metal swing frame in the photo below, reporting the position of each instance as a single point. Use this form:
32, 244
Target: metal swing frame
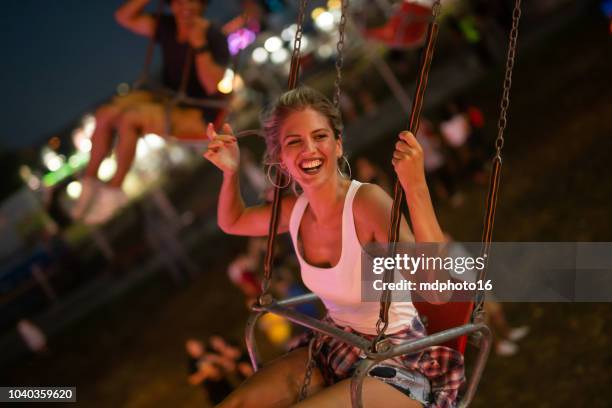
380, 349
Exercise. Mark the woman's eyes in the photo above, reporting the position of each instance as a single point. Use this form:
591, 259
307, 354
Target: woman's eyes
296, 141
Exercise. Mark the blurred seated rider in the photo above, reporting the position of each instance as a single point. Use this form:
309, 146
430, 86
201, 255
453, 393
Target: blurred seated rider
141, 112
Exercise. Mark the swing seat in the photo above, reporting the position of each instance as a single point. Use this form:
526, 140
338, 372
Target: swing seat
448, 324
437, 318
199, 138
407, 28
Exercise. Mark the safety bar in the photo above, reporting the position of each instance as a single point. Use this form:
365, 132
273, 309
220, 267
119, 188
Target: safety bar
315, 324
298, 300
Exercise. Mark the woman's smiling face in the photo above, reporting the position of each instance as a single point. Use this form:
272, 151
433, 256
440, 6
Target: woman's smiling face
309, 149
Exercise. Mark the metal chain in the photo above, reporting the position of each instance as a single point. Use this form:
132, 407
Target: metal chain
340, 57
310, 365
505, 101
266, 298
491, 204
297, 45
383, 319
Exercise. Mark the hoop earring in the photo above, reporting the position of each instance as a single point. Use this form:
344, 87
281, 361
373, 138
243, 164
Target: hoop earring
271, 180
349, 169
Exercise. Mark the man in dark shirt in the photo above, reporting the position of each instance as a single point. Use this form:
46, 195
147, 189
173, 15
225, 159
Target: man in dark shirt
141, 112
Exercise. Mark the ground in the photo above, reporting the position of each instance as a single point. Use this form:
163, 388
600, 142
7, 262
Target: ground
555, 187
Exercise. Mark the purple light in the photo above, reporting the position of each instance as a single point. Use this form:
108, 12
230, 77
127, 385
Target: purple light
240, 39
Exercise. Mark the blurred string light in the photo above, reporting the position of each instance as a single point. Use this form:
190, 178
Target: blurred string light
89, 125
226, 85
107, 168
324, 21
334, 4
273, 44
148, 144
155, 141
74, 189
81, 141
317, 12
25, 172
280, 56
51, 159
260, 55
325, 51
29, 178
288, 34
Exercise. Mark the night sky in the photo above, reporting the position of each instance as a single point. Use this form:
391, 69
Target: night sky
63, 57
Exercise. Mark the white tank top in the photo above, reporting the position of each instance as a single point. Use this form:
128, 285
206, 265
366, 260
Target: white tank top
339, 287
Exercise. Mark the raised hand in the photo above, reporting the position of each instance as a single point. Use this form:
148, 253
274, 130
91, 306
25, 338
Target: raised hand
223, 149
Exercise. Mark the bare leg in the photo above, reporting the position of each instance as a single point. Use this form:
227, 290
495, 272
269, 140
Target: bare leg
276, 384
375, 394
136, 121
129, 131
106, 117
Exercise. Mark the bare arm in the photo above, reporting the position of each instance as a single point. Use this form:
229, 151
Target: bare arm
237, 219
232, 215
408, 163
132, 17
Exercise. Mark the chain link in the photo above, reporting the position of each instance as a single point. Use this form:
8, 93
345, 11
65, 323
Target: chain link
435, 9
340, 56
313, 350
297, 40
505, 101
297, 45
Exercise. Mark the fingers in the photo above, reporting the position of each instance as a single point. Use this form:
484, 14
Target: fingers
409, 139
227, 129
210, 131
227, 137
403, 147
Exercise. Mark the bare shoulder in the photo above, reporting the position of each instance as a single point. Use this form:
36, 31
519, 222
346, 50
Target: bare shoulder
371, 211
371, 200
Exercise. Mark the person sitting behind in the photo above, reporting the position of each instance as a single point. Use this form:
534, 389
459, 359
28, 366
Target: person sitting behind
141, 112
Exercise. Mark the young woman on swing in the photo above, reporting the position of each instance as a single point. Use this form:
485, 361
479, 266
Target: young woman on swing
329, 223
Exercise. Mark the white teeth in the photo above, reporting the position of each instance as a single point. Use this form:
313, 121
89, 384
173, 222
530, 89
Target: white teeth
311, 164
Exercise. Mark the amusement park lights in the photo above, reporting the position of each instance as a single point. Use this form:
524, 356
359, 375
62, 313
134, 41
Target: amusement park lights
325, 21
280, 56
273, 44
260, 55
107, 168
226, 85
288, 34
74, 189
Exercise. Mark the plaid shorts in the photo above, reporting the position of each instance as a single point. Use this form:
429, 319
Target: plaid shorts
443, 367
